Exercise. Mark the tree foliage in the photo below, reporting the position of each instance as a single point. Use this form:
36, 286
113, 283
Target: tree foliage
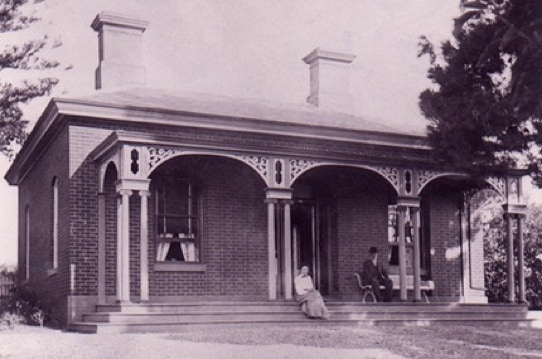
23, 57
495, 256
485, 110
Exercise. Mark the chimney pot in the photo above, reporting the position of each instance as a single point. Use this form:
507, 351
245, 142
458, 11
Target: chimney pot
120, 50
330, 80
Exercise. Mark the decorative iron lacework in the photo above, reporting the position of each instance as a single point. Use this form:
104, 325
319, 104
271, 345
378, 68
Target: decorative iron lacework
499, 184
259, 163
157, 155
391, 173
424, 176
298, 166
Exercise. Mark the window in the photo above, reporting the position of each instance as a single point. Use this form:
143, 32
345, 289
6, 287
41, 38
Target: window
177, 221
27, 241
55, 225
393, 237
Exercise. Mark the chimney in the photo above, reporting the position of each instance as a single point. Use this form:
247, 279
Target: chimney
120, 50
330, 80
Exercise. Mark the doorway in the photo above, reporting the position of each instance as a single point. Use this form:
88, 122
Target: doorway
310, 244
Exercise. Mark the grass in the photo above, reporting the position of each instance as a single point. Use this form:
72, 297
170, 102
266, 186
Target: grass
314, 341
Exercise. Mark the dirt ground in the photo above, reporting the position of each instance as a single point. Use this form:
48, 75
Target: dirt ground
277, 342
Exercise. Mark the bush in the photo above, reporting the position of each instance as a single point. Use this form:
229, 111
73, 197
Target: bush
21, 306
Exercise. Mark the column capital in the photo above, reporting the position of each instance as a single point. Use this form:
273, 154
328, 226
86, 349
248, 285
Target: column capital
278, 193
404, 201
125, 192
271, 201
133, 184
514, 209
144, 193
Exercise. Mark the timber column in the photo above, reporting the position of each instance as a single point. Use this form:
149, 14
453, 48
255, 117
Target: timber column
144, 250
271, 249
514, 213
279, 230
123, 245
411, 204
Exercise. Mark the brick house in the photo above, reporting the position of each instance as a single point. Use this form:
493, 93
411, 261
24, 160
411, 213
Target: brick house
135, 194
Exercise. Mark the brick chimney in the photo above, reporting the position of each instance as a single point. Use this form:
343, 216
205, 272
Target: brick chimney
330, 80
120, 50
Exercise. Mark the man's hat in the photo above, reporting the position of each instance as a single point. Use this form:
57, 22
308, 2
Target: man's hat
373, 250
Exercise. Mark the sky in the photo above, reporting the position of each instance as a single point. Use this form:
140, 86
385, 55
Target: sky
246, 48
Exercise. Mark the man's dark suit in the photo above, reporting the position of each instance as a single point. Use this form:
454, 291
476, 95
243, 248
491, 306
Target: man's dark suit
377, 276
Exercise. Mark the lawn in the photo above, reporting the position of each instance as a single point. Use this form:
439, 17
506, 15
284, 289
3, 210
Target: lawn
311, 341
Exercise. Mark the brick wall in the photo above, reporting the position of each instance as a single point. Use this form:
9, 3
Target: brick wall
445, 229
362, 223
36, 192
234, 242
84, 207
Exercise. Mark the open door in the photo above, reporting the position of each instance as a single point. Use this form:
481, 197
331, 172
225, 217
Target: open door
310, 245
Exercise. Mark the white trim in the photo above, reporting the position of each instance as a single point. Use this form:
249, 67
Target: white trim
55, 222
27, 241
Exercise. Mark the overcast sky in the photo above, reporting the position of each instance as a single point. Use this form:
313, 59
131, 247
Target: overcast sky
249, 48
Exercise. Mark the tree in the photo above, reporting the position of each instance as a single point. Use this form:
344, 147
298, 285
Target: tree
24, 57
485, 112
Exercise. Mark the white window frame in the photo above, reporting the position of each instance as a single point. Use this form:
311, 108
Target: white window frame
55, 223
27, 241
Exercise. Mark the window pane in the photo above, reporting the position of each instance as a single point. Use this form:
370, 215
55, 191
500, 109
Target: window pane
177, 222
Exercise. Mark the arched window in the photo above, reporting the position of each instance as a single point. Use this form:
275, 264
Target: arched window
54, 246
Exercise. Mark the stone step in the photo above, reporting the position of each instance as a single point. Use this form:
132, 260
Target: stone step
108, 328
179, 308
335, 310
267, 316
188, 318
191, 308
135, 317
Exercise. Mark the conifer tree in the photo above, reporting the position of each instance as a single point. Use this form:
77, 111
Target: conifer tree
485, 112
19, 57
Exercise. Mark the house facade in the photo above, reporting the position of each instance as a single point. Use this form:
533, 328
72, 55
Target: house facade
135, 194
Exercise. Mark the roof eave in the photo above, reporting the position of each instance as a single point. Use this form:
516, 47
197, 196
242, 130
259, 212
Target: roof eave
162, 116
44, 123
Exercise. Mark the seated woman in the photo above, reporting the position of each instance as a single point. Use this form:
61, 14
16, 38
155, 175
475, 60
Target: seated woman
312, 303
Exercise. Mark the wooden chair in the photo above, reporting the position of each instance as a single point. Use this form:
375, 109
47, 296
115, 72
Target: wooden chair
366, 290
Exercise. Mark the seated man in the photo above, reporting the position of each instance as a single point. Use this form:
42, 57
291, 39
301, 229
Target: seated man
375, 274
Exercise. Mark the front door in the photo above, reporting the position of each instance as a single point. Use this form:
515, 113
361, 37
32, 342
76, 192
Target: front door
310, 244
